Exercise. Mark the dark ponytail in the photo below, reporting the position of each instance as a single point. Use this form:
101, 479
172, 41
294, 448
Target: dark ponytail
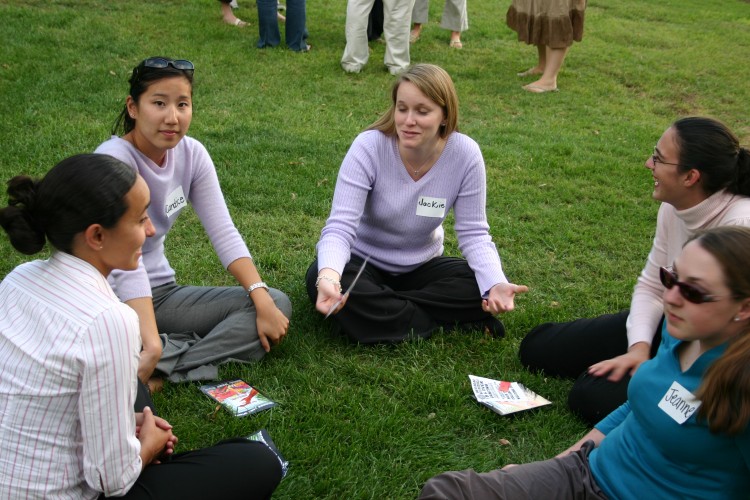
25, 234
708, 146
742, 182
79, 191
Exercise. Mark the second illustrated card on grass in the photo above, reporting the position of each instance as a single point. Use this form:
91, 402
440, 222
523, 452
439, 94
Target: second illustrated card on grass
505, 397
237, 396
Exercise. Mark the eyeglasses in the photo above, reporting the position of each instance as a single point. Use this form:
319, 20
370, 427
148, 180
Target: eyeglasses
689, 292
161, 63
655, 159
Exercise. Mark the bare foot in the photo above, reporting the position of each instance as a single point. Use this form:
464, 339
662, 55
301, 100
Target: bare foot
536, 70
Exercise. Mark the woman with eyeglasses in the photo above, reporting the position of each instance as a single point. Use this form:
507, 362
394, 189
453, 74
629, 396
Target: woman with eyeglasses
702, 179
201, 326
683, 432
69, 354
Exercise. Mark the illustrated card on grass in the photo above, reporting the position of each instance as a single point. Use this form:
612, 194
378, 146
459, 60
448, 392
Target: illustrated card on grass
263, 436
505, 397
237, 396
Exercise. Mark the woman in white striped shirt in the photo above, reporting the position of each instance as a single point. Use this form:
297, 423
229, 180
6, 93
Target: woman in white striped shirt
69, 353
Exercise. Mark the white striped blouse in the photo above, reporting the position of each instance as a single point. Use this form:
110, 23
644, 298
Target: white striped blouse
69, 354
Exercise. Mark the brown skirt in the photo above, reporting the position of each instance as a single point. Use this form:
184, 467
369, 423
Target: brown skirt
555, 23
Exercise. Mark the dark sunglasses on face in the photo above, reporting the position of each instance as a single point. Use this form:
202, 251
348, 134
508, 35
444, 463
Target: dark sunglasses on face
160, 63
689, 292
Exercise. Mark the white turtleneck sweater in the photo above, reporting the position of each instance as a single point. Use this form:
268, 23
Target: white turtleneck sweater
673, 228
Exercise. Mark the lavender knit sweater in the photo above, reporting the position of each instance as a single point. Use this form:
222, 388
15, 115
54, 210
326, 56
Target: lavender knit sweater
188, 175
378, 210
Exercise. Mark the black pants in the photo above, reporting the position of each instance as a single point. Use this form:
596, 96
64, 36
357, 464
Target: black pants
568, 349
386, 308
236, 468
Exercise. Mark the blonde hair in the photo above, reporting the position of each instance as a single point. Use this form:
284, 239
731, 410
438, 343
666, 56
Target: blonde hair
435, 83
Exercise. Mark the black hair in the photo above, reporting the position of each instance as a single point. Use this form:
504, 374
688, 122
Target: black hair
141, 78
708, 146
79, 191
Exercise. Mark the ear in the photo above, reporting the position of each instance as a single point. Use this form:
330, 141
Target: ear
744, 313
131, 106
692, 177
93, 237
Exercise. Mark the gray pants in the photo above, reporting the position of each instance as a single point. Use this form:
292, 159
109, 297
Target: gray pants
567, 478
203, 327
455, 17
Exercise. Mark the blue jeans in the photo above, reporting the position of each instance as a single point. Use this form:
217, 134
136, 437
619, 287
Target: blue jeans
268, 24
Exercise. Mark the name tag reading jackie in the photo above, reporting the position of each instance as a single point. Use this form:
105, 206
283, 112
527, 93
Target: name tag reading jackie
679, 403
175, 201
431, 207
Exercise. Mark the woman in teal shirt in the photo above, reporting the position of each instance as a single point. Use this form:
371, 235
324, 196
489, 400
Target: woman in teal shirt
683, 433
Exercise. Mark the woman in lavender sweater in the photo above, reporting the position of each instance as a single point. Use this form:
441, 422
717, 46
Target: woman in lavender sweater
395, 187
200, 327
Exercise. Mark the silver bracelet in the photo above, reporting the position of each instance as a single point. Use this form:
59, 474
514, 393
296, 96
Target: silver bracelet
260, 284
332, 281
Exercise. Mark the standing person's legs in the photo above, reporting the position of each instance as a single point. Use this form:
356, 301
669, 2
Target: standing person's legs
228, 15
568, 349
375, 21
396, 23
548, 80
268, 24
223, 319
296, 31
455, 18
356, 52
232, 469
419, 15
567, 478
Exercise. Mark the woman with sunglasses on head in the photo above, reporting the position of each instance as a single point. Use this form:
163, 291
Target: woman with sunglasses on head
702, 179
396, 186
222, 323
683, 432
69, 353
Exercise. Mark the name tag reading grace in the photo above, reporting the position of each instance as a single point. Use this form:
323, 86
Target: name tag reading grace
431, 207
175, 202
679, 403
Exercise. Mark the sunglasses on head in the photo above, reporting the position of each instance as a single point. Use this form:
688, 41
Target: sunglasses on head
689, 292
161, 63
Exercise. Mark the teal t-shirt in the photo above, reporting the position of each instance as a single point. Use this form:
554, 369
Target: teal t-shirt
654, 445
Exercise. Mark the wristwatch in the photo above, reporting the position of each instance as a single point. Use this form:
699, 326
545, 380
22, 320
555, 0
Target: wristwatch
260, 284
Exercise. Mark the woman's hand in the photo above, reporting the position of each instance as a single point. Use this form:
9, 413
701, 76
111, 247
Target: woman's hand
271, 323
501, 297
624, 364
329, 291
155, 435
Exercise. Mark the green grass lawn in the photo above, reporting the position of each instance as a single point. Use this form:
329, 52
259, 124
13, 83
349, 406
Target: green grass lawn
568, 200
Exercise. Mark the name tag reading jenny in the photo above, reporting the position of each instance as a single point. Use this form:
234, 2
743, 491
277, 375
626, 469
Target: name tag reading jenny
679, 403
431, 207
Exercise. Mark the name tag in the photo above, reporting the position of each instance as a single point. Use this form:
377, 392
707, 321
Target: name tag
679, 403
431, 207
175, 201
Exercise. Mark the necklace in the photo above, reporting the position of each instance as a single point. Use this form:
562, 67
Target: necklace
416, 172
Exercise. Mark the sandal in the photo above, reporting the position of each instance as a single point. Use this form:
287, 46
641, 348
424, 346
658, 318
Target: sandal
456, 44
237, 22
